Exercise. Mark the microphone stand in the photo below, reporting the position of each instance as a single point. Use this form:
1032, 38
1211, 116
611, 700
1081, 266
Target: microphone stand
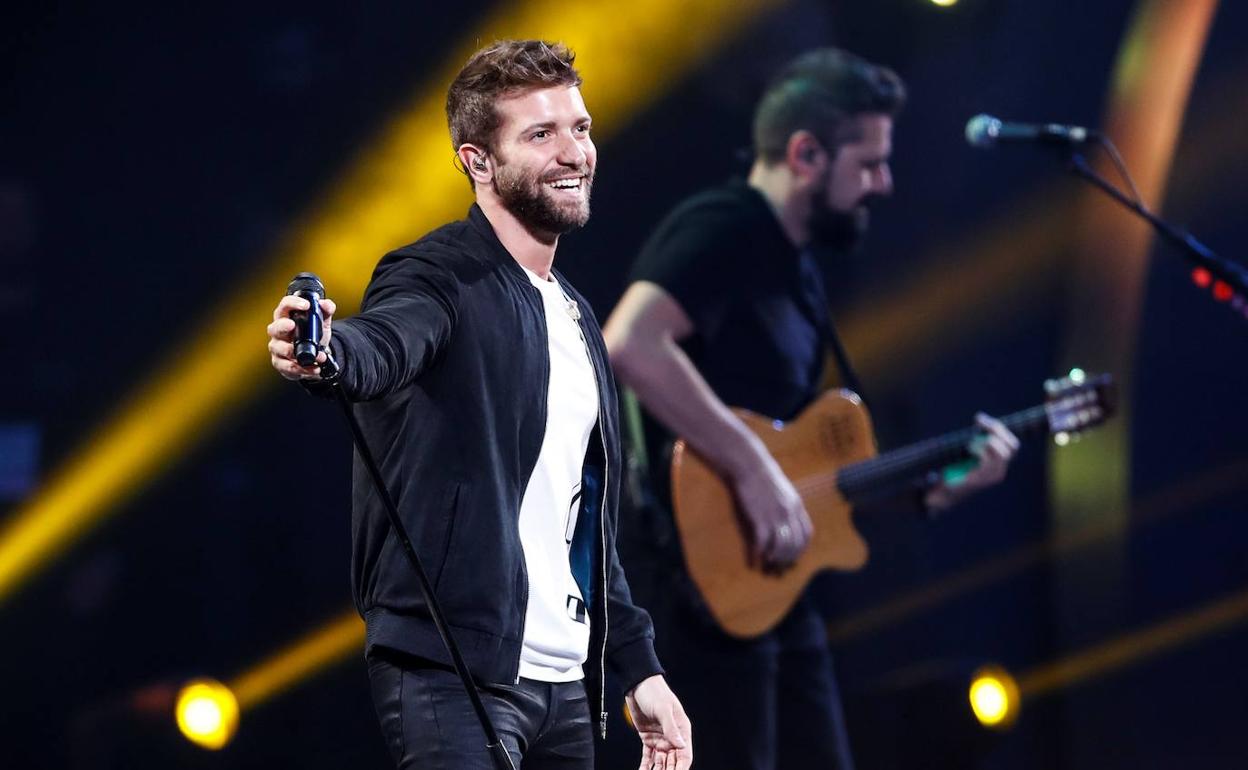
329, 375
1232, 273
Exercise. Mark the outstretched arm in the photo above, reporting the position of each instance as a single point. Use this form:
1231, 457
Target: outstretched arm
408, 314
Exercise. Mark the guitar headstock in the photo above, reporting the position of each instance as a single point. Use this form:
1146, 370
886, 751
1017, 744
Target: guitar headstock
1077, 402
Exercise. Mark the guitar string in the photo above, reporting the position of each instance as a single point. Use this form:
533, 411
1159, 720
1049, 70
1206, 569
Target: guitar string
872, 471
898, 462
954, 443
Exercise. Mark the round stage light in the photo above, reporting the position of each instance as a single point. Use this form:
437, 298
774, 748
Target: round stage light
207, 713
994, 697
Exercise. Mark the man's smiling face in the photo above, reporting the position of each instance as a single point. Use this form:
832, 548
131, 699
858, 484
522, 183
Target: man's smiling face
544, 158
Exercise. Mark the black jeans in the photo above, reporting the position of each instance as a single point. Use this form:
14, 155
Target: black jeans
769, 703
429, 723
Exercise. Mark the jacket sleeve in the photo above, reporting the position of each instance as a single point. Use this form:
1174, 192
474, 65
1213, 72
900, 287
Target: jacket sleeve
407, 316
630, 639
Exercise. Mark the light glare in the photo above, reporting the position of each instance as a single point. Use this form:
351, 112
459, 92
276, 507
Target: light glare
207, 713
994, 697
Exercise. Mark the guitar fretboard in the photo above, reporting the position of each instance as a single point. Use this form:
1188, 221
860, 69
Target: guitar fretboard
889, 472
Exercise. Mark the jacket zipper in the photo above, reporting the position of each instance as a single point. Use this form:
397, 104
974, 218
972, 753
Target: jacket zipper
602, 537
602, 528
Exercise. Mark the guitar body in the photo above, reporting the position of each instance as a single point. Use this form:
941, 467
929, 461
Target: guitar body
830, 447
833, 432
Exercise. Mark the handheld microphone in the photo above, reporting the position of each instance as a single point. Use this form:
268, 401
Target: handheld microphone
985, 131
309, 324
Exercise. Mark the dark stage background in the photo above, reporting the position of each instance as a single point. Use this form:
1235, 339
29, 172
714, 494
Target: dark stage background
152, 158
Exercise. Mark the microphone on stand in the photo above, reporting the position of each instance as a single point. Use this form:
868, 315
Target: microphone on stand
985, 131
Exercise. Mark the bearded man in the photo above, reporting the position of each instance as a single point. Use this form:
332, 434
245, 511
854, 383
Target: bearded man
727, 308
480, 378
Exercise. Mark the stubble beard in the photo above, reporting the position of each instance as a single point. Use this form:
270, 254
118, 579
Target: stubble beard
534, 204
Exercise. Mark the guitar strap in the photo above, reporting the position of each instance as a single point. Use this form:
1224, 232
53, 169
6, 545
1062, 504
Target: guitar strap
637, 459
815, 299
848, 375
916, 498
639, 484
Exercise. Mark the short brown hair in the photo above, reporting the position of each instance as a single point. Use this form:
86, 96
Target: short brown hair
820, 91
505, 68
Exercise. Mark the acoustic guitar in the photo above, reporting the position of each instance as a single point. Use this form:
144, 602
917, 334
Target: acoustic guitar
829, 454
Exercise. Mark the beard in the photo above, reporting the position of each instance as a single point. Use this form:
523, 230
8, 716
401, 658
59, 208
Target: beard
834, 232
539, 209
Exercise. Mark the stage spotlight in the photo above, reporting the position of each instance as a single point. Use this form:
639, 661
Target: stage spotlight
944, 3
926, 704
207, 713
994, 697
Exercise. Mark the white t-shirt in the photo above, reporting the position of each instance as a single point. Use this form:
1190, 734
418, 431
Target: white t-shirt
556, 627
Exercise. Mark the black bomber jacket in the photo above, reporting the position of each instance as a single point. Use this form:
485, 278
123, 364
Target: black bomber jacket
447, 364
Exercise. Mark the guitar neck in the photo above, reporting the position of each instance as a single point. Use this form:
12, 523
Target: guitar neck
888, 473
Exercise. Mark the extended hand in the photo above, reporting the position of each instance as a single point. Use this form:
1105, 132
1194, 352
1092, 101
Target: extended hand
993, 451
282, 338
666, 737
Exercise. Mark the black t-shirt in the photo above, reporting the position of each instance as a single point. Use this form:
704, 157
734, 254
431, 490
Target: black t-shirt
757, 304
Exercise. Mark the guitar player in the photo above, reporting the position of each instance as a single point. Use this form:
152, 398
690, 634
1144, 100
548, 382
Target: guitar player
726, 308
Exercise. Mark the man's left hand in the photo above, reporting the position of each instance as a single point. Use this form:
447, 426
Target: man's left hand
993, 451
666, 737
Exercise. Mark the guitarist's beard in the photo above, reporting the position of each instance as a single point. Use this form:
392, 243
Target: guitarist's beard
836, 233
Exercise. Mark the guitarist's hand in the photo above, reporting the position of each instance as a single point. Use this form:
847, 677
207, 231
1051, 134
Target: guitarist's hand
993, 451
779, 527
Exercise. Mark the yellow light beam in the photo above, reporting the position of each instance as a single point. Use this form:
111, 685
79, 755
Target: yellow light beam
399, 187
1109, 262
1135, 647
1178, 498
297, 662
993, 281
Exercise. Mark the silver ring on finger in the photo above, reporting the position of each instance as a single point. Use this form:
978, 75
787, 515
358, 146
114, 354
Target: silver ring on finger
784, 532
